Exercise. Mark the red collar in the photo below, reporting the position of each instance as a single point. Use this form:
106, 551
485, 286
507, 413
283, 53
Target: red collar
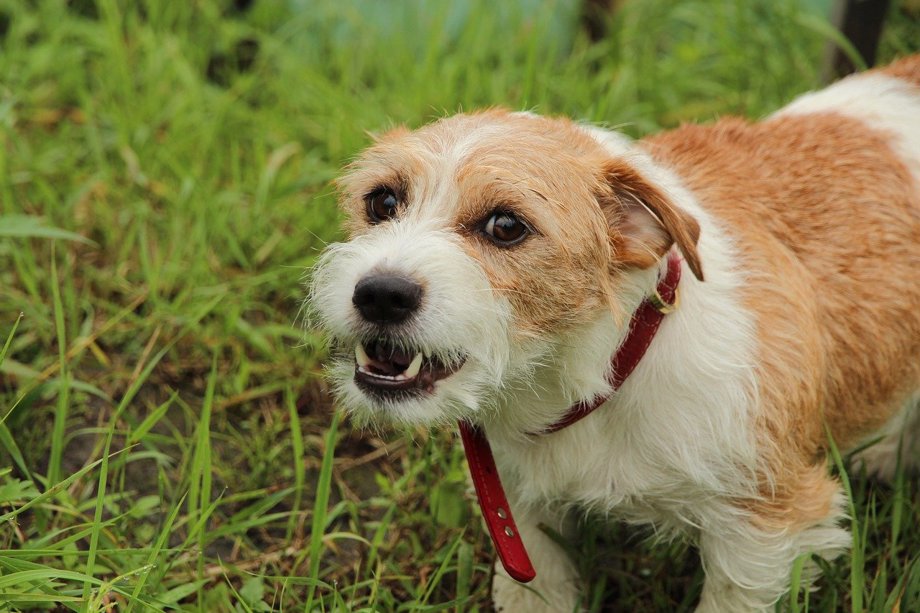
486, 480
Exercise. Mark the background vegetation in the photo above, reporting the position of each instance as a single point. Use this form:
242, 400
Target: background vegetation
165, 440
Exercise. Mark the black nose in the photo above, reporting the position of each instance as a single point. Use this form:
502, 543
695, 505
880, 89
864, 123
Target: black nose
386, 298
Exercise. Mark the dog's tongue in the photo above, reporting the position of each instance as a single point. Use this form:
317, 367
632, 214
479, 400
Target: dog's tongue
389, 360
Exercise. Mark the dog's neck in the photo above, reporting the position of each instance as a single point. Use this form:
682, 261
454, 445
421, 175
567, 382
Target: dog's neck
643, 326
492, 500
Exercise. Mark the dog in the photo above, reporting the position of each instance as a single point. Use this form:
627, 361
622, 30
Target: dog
496, 263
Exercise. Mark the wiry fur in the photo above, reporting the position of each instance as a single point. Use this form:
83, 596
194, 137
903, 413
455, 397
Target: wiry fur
446, 327
799, 237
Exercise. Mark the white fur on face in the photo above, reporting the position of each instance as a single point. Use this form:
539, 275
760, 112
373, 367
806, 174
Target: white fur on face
433, 241
460, 319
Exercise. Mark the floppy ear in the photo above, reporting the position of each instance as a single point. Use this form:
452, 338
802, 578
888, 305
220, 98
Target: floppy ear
643, 221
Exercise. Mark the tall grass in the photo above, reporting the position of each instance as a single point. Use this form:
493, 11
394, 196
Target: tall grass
165, 440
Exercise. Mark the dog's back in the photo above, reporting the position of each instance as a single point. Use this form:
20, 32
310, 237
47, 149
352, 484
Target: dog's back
907, 69
823, 200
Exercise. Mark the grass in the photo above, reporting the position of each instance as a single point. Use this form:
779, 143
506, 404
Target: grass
165, 440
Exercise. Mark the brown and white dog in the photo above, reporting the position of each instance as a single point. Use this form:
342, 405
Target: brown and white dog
495, 260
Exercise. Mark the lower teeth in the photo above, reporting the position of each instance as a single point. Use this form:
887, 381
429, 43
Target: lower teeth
364, 363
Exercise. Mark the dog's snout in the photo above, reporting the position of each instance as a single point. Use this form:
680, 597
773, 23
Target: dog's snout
386, 298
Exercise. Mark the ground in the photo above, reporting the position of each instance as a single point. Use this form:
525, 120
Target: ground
166, 440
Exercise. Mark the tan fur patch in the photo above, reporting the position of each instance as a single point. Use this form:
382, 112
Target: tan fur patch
547, 172
826, 220
907, 68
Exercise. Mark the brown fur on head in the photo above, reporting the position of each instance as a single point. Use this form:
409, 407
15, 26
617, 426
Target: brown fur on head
593, 216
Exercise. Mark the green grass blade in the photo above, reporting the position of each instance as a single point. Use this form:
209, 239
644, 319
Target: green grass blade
200, 493
857, 553
159, 547
435, 580
151, 420
52, 491
9, 339
795, 584
97, 514
298, 459
320, 507
9, 443
25, 226
63, 398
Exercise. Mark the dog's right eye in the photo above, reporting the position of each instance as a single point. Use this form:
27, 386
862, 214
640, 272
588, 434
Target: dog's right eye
381, 204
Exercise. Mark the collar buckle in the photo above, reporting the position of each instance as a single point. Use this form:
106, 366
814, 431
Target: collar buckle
661, 305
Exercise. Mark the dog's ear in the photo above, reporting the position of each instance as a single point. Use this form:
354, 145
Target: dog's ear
643, 222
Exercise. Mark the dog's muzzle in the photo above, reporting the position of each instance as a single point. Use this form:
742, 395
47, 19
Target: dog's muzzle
384, 367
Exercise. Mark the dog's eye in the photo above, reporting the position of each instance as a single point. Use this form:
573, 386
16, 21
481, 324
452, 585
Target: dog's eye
505, 229
381, 204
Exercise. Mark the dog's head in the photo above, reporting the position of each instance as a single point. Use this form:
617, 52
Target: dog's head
475, 244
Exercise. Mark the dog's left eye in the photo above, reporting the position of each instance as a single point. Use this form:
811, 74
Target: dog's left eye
505, 229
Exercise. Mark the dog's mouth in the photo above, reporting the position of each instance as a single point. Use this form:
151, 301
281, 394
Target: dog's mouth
384, 369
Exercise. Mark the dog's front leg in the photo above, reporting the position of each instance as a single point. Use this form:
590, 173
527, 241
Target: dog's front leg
742, 575
748, 567
555, 589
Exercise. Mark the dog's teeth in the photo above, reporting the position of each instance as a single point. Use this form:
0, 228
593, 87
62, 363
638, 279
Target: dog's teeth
414, 367
361, 355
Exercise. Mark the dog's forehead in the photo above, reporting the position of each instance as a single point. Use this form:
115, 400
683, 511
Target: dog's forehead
512, 143
495, 154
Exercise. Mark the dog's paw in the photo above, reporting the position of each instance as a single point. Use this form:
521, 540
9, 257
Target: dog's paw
509, 596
